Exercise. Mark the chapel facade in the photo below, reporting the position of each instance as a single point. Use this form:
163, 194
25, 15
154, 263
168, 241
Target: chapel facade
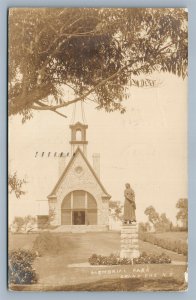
79, 199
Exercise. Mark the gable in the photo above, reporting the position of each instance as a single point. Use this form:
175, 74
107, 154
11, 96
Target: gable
78, 156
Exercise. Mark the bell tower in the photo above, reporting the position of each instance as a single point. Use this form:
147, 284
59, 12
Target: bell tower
78, 137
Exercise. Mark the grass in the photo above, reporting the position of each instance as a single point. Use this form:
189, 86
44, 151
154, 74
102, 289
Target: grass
182, 236
77, 248
21, 240
80, 246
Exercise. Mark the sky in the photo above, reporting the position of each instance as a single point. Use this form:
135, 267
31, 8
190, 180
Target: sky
146, 146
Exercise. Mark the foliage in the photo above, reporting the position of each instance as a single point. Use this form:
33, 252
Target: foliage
179, 229
152, 259
174, 245
160, 222
182, 214
116, 209
17, 224
152, 214
144, 227
20, 270
42, 222
52, 214
45, 222
47, 243
95, 52
26, 224
113, 259
164, 224
15, 185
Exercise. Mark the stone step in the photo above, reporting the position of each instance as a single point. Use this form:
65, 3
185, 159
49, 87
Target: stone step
81, 228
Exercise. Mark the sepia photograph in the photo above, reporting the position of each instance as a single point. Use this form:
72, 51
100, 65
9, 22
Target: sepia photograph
97, 149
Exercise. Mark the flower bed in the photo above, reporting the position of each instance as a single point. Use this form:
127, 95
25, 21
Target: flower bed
144, 258
20, 270
173, 245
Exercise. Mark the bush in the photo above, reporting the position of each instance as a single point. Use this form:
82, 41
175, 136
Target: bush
20, 270
47, 243
22, 225
177, 246
179, 229
113, 259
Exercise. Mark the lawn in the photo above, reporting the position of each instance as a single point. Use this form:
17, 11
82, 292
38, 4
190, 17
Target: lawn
182, 236
21, 240
77, 248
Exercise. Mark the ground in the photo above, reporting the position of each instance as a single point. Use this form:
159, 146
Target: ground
76, 248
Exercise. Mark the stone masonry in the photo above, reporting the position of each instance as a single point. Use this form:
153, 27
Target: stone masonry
84, 181
129, 241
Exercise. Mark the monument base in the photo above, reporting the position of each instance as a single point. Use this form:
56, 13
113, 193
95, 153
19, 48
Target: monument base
129, 241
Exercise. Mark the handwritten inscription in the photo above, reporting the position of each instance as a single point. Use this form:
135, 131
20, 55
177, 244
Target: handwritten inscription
51, 154
133, 273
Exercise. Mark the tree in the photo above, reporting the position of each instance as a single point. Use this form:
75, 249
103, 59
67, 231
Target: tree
160, 222
153, 215
116, 210
17, 224
29, 223
95, 52
144, 227
164, 223
15, 185
182, 214
26, 224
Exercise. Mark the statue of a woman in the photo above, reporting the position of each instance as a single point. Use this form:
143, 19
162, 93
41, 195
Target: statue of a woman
129, 205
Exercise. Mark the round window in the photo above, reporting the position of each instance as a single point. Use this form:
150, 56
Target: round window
78, 170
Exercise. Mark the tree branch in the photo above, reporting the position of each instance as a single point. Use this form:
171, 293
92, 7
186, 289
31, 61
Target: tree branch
67, 37
101, 83
43, 105
167, 46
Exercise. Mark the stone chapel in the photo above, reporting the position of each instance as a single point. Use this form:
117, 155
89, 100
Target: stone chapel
79, 199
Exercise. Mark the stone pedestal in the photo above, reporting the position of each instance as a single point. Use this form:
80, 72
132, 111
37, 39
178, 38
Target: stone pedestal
129, 241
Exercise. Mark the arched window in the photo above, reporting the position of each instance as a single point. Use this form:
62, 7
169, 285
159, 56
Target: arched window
91, 210
66, 210
78, 135
79, 208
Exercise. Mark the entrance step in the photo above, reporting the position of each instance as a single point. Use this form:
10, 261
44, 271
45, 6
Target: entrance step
81, 228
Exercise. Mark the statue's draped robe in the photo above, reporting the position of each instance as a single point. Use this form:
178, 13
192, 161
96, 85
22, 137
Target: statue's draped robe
129, 205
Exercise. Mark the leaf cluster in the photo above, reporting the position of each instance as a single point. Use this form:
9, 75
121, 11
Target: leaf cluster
95, 52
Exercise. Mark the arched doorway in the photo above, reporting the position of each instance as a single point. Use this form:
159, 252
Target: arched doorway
79, 208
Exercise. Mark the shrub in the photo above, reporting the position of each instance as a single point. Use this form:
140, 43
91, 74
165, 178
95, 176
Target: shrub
21, 225
113, 259
173, 245
152, 259
47, 243
179, 229
20, 270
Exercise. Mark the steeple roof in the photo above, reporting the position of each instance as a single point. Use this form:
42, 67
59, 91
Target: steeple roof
78, 124
78, 152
